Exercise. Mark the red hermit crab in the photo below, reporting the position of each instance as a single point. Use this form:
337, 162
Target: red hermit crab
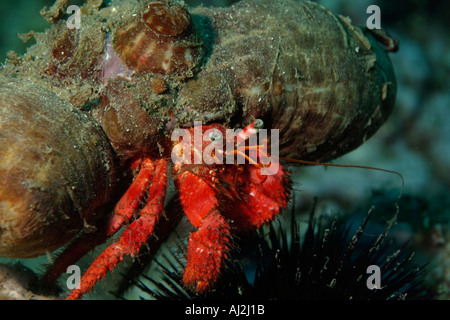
216, 198
93, 121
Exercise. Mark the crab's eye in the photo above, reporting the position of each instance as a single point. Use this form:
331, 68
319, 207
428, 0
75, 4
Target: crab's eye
259, 124
215, 137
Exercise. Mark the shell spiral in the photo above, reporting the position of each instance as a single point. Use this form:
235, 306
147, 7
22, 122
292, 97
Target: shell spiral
160, 40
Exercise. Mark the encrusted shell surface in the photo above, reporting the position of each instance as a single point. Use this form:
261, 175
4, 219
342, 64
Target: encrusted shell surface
56, 169
160, 40
130, 129
325, 84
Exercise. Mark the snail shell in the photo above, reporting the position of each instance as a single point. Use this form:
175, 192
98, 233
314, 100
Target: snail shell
56, 167
160, 40
325, 84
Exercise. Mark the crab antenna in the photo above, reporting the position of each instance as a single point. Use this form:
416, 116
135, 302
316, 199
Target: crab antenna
348, 166
242, 154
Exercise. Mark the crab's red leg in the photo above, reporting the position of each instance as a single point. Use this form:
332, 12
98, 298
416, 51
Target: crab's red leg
207, 250
132, 238
132, 198
209, 245
262, 197
123, 212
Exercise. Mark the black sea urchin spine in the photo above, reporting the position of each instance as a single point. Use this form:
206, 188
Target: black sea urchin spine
327, 261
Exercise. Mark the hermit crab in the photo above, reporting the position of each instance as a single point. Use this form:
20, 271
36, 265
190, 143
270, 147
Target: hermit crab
94, 121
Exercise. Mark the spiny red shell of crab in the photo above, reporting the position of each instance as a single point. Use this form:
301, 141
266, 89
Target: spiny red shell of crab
197, 197
207, 250
261, 198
